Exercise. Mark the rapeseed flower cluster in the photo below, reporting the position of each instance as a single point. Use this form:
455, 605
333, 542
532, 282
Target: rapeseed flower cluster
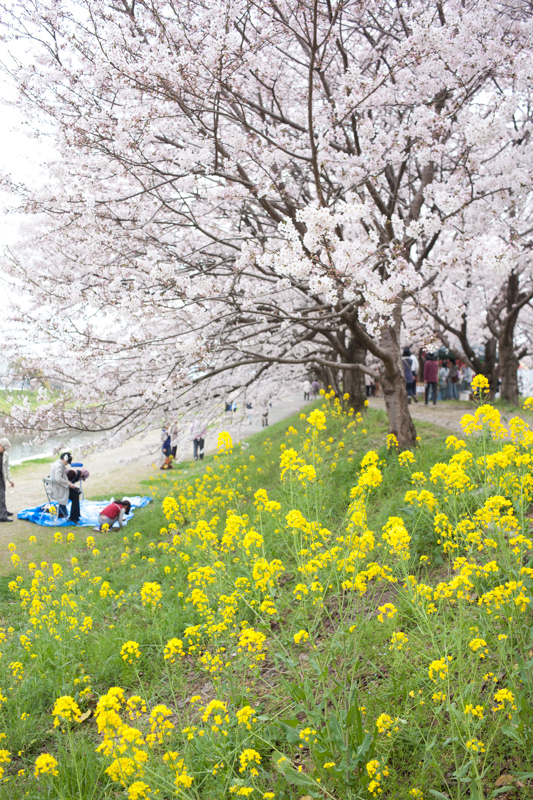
277, 628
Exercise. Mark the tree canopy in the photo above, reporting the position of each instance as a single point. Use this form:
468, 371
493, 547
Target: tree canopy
248, 190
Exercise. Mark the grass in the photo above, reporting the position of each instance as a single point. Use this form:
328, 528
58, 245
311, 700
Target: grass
17, 469
248, 625
12, 397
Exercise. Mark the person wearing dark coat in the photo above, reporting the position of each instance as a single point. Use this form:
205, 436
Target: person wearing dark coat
431, 377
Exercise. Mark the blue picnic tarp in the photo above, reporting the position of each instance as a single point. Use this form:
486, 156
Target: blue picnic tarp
89, 511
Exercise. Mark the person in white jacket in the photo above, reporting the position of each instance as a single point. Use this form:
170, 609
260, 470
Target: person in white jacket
5, 478
64, 490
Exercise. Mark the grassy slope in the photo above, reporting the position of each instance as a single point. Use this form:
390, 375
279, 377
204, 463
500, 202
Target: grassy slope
386, 683
11, 397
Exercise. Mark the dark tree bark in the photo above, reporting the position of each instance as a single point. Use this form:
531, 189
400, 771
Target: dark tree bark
489, 367
392, 378
353, 381
509, 358
509, 363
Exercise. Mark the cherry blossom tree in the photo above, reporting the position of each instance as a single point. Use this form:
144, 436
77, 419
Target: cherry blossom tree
248, 189
479, 296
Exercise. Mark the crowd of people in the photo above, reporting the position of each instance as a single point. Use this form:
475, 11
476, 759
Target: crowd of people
443, 380
198, 428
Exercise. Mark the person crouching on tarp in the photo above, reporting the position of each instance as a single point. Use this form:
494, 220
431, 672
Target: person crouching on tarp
114, 512
64, 490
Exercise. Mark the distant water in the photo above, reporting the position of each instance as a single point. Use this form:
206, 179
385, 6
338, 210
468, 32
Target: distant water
22, 452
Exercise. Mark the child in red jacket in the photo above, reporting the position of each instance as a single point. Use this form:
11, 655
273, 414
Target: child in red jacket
114, 512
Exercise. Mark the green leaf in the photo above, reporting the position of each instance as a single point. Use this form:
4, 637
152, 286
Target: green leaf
449, 740
439, 795
290, 731
523, 776
337, 733
353, 720
321, 671
460, 773
512, 733
456, 713
295, 690
501, 790
292, 775
365, 751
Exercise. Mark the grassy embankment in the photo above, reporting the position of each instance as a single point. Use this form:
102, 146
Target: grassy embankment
276, 647
13, 397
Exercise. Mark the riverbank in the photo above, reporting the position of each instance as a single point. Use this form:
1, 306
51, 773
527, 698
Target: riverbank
223, 627
118, 471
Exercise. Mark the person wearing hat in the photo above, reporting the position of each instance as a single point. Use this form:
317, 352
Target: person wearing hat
63, 489
5, 478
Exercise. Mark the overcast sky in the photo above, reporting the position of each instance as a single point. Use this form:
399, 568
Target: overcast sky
21, 158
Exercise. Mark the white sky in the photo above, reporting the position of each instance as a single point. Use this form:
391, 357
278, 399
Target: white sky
21, 159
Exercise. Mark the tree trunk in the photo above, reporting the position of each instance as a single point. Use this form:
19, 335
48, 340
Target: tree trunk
490, 367
353, 381
392, 378
329, 377
507, 356
508, 371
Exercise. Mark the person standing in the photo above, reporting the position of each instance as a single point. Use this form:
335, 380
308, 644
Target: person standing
315, 388
431, 376
307, 389
5, 478
165, 441
443, 381
165, 448
465, 375
64, 490
453, 380
173, 432
249, 411
408, 374
198, 434
414, 369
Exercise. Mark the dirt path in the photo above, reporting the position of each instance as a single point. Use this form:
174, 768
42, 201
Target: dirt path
447, 414
118, 471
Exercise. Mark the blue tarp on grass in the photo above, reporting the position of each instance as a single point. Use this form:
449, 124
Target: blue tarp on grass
89, 511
